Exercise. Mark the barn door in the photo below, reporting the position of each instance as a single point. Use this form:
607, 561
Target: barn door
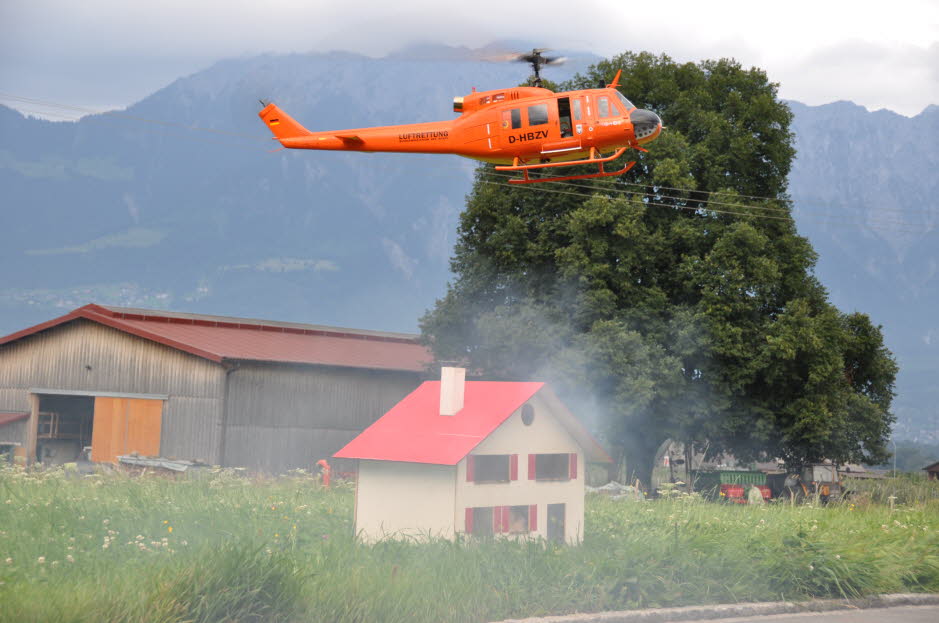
125, 425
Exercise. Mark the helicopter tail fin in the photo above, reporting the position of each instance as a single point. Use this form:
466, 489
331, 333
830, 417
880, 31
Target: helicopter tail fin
280, 123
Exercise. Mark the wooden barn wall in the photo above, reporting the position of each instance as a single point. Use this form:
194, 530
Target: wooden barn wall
14, 431
283, 417
86, 356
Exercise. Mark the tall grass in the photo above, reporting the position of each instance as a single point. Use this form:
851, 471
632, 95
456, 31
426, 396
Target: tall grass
111, 548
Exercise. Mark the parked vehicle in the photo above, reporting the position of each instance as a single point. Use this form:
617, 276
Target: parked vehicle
821, 480
818, 480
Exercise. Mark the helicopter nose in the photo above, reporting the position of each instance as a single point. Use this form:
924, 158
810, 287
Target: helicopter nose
646, 124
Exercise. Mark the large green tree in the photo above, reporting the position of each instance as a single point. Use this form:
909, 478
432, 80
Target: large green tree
677, 301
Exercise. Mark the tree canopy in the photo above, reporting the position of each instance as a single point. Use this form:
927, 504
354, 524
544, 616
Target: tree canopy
679, 297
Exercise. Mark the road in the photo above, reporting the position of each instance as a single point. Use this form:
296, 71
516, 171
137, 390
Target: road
901, 614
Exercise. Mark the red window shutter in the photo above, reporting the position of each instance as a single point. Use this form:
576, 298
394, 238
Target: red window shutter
470, 460
531, 467
573, 471
496, 519
513, 467
469, 521
505, 518
533, 518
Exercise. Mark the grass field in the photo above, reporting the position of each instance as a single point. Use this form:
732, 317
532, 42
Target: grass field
111, 547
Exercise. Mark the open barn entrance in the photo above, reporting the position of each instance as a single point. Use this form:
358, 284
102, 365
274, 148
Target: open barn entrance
81, 427
64, 428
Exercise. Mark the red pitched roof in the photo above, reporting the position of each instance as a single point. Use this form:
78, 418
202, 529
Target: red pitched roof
220, 338
413, 431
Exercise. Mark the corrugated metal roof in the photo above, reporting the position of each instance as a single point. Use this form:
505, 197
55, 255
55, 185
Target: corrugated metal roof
414, 431
220, 338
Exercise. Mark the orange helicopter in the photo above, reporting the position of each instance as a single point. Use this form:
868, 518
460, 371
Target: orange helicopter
518, 129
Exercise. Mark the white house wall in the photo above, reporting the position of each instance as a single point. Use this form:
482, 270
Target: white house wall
545, 435
404, 500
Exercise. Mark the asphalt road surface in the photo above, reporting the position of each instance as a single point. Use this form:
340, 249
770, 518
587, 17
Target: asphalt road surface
901, 614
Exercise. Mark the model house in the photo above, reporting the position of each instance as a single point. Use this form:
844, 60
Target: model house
481, 458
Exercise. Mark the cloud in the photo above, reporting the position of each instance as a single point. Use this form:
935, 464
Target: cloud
134, 238
286, 265
400, 260
99, 51
874, 75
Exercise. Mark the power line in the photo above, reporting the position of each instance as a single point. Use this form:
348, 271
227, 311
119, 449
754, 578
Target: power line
711, 210
708, 207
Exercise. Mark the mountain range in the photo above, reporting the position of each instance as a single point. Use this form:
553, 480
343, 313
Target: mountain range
181, 202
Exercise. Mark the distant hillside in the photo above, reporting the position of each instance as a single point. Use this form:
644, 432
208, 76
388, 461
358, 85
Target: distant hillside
125, 210
867, 196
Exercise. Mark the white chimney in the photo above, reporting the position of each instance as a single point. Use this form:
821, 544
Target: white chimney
451, 390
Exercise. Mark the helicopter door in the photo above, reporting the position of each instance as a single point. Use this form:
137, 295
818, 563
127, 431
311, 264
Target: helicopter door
577, 110
589, 115
568, 142
564, 117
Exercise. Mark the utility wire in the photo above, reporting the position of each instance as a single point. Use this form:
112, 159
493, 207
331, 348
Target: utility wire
708, 207
705, 209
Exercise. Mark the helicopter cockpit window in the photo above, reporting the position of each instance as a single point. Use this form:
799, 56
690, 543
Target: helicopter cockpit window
538, 114
625, 102
603, 107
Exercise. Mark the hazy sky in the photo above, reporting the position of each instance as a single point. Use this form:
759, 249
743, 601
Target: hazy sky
111, 53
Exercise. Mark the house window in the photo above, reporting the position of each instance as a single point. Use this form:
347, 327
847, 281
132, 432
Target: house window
484, 468
538, 114
518, 519
479, 521
485, 521
552, 466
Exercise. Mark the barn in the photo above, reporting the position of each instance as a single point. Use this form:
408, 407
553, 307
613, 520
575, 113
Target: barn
102, 382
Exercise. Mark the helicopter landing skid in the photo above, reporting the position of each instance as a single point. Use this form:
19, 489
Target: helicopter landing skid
525, 168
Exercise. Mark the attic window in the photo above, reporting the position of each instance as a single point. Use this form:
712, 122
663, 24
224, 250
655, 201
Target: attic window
528, 414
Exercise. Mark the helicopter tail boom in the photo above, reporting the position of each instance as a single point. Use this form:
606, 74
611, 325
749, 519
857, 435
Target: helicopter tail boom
281, 124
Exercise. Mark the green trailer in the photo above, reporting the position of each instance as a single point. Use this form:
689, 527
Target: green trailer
709, 482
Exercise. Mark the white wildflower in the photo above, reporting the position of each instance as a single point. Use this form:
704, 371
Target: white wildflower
42, 560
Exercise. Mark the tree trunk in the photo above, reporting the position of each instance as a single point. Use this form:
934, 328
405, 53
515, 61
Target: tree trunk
640, 459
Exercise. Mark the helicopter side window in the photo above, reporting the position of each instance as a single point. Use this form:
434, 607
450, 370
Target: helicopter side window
538, 114
603, 107
578, 112
516, 114
625, 102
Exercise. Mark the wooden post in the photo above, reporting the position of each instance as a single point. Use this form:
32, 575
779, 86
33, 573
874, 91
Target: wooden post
32, 429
